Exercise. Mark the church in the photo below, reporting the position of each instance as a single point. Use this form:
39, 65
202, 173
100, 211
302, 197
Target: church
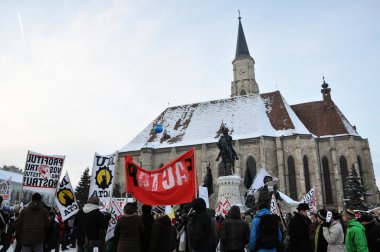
304, 145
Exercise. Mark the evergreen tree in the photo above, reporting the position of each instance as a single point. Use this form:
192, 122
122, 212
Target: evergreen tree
354, 192
83, 188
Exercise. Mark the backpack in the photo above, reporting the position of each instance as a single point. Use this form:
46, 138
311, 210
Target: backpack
267, 237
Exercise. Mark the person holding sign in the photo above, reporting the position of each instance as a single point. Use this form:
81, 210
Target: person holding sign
333, 232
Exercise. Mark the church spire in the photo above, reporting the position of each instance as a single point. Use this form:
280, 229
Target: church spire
244, 82
241, 45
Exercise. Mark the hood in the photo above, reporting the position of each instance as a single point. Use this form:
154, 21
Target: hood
354, 223
165, 220
35, 205
262, 212
90, 207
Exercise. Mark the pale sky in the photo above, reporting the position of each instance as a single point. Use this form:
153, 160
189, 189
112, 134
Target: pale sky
79, 77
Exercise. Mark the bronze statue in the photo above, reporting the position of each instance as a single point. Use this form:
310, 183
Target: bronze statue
227, 152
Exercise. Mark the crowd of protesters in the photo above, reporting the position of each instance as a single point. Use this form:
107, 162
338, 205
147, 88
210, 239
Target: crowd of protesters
195, 228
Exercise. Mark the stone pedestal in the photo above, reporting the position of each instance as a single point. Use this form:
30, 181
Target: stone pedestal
229, 189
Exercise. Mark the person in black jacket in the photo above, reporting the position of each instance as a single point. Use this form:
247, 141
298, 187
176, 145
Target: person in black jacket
90, 222
163, 232
199, 227
299, 230
372, 232
148, 220
320, 243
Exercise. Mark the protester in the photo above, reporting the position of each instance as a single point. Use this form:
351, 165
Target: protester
53, 235
265, 234
6, 233
355, 234
90, 223
372, 231
33, 223
148, 220
299, 230
199, 227
164, 234
320, 243
234, 234
129, 229
333, 233
214, 229
313, 229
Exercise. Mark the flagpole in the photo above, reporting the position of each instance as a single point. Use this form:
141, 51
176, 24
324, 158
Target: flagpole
56, 187
21, 197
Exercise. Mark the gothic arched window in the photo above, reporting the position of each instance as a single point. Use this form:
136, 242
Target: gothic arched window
292, 178
242, 92
306, 173
343, 171
326, 180
250, 172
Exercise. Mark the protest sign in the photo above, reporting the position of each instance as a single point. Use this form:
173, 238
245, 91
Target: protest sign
42, 172
203, 193
116, 213
173, 184
311, 199
120, 201
6, 189
274, 207
223, 207
65, 198
102, 177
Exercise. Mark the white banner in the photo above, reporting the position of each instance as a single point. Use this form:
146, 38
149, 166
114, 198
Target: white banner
274, 207
120, 201
262, 177
223, 207
65, 199
311, 199
42, 172
203, 193
116, 213
6, 189
102, 177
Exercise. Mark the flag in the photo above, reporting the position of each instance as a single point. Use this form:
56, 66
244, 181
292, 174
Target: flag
102, 177
274, 207
116, 213
6, 189
173, 184
65, 199
311, 199
42, 172
262, 177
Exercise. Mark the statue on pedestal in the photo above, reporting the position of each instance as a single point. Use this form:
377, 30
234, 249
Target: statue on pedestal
227, 152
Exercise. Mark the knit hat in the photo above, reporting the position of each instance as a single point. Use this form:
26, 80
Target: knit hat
93, 200
130, 208
159, 210
303, 206
349, 213
322, 213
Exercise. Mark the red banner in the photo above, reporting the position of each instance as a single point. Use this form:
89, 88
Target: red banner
173, 184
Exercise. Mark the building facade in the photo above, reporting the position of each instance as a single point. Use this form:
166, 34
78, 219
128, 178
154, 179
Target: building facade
304, 145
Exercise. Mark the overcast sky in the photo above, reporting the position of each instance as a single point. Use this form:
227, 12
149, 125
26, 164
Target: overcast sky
78, 77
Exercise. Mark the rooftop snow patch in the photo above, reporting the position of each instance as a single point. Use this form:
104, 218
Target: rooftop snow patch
245, 116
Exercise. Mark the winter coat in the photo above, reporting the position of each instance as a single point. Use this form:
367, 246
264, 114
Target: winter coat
372, 232
320, 243
255, 232
234, 234
334, 236
148, 224
162, 238
128, 232
299, 234
89, 222
355, 237
199, 232
34, 223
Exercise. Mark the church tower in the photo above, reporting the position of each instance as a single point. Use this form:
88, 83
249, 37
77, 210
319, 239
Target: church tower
243, 68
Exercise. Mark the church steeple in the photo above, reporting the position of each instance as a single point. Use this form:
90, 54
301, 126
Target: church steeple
243, 68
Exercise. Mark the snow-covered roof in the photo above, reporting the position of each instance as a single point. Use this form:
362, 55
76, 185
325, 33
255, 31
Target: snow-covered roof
245, 116
16, 177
